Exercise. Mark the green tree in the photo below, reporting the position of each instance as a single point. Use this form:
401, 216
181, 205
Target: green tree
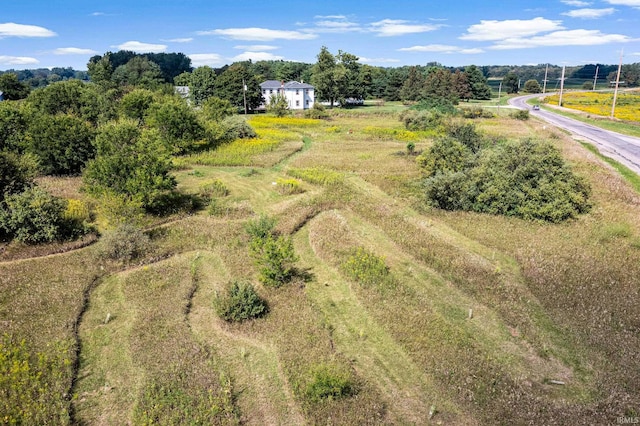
16, 173
183, 79
439, 84
532, 86
136, 103
216, 109
13, 126
202, 84
241, 302
100, 70
350, 84
176, 122
511, 83
70, 97
278, 105
412, 87
130, 161
11, 88
324, 77
229, 86
63, 143
139, 71
478, 83
461, 85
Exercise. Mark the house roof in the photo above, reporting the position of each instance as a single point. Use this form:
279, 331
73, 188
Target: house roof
275, 84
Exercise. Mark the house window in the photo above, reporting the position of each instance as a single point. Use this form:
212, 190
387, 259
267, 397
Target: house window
264, 91
297, 103
271, 91
306, 91
307, 102
297, 92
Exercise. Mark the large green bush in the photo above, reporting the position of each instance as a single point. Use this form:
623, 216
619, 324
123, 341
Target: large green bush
16, 173
131, 162
35, 216
240, 302
527, 179
446, 155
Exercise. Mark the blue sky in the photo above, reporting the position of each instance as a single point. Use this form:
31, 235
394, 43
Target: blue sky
45, 33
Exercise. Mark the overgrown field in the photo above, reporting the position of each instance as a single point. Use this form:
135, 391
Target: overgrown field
392, 312
599, 104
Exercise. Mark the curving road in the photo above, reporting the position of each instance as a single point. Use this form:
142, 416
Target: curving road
622, 148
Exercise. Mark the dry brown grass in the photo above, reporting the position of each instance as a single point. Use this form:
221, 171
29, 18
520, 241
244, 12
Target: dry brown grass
550, 302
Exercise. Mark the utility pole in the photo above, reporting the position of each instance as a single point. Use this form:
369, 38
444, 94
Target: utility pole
561, 86
544, 82
615, 92
595, 79
499, 92
244, 95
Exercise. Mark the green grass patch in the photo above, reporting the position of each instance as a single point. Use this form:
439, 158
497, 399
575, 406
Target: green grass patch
628, 174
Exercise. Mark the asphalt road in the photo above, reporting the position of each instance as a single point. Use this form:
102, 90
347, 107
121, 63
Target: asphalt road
622, 148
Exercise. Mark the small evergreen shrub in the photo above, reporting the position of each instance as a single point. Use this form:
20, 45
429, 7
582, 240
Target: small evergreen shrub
240, 302
465, 133
275, 259
329, 382
125, 243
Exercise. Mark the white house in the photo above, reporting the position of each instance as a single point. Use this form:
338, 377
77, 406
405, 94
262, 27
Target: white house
298, 95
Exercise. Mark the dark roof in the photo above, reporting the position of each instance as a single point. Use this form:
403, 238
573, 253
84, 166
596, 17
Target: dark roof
275, 84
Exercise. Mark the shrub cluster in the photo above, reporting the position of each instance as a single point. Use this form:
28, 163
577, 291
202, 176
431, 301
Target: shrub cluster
240, 302
35, 216
527, 179
416, 120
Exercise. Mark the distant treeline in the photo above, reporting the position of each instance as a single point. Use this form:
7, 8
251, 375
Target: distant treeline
378, 82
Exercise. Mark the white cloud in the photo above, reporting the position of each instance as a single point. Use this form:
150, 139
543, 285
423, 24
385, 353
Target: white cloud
179, 40
256, 47
576, 3
430, 48
259, 34
589, 13
73, 51
11, 29
562, 38
441, 48
499, 30
397, 27
378, 60
17, 60
210, 59
630, 3
257, 56
334, 24
137, 46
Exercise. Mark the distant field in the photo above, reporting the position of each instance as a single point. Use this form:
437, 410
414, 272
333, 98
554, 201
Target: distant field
600, 104
468, 319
